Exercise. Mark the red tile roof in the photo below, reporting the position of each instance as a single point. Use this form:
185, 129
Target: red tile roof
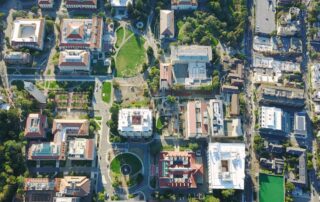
35, 126
45, 1
81, 2
178, 169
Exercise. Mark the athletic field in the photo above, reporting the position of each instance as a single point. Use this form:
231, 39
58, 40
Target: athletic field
271, 188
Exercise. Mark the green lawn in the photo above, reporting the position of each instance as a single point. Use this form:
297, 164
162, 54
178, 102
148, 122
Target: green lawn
128, 33
123, 159
159, 123
120, 35
131, 57
106, 92
271, 188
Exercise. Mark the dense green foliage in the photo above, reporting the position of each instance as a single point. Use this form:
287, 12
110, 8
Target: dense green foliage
106, 92
12, 166
314, 12
153, 79
224, 20
139, 11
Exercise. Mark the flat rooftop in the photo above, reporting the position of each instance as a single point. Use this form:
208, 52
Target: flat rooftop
135, 120
226, 164
265, 18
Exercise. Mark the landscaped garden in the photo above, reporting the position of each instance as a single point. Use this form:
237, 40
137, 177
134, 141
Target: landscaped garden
125, 170
106, 92
130, 57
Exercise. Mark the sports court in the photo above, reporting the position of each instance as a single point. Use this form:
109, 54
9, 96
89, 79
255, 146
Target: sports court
271, 188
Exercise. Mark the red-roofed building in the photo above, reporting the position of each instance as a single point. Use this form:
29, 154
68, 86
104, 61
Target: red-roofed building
45, 3
197, 120
46, 151
81, 34
74, 60
184, 4
179, 169
165, 76
80, 4
35, 126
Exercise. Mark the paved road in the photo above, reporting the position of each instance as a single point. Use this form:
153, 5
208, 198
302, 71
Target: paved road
248, 125
58, 77
48, 169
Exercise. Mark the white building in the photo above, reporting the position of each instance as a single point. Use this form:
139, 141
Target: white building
216, 115
120, 7
226, 165
190, 65
81, 149
275, 65
266, 18
45, 3
81, 4
74, 60
315, 78
262, 44
28, 33
17, 58
135, 123
271, 118
191, 54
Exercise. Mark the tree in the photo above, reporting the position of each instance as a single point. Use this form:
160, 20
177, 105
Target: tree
34, 9
171, 99
215, 83
101, 196
210, 198
289, 187
227, 193
193, 146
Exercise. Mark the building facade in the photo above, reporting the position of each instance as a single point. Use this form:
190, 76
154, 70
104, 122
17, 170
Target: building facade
135, 123
81, 34
28, 33
74, 60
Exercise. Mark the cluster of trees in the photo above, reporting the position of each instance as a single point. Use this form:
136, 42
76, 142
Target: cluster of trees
113, 123
139, 10
154, 79
225, 195
258, 144
314, 12
2, 18
224, 20
289, 187
12, 167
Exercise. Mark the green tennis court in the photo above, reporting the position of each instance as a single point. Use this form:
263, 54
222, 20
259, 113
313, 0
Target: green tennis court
271, 188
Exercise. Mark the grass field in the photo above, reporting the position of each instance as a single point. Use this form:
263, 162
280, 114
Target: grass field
106, 92
120, 35
131, 56
271, 188
123, 159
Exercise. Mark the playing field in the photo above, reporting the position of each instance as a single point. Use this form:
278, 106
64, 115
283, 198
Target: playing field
271, 188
